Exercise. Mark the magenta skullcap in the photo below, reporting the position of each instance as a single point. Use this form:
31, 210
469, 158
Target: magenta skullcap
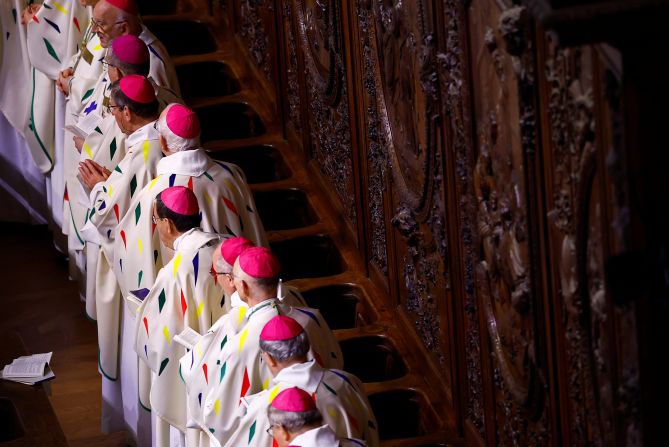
128, 6
180, 200
259, 262
182, 121
281, 328
233, 247
130, 49
293, 399
137, 88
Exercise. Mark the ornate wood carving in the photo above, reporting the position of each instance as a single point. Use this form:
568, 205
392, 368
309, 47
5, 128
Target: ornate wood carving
255, 32
319, 28
506, 280
597, 390
293, 91
453, 69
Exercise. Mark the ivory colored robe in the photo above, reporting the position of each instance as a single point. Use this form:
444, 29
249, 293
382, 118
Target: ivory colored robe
289, 295
53, 36
226, 365
225, 202
15, 76
338, 395
184, 295
324, 437
110, 202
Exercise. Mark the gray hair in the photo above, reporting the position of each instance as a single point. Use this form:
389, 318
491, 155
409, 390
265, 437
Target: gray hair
292, 421
282, 350
175, 143
220, 264
125, 67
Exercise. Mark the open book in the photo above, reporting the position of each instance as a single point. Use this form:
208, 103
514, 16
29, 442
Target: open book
29, 369
85, 126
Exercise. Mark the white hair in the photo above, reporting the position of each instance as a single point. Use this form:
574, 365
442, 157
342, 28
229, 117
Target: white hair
175, 143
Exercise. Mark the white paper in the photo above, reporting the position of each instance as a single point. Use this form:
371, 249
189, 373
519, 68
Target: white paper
188, 338
27, 367
85, 126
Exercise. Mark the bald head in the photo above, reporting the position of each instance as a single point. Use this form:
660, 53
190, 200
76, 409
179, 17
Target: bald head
110, 22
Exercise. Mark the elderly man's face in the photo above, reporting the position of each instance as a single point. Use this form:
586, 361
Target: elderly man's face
114, 73
223, 279
106, 23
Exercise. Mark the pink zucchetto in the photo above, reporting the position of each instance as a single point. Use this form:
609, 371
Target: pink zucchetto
259, 262
182, 121
128, 6
130, 49
180, 200
233, 247
293, 399
137, 88
280, 328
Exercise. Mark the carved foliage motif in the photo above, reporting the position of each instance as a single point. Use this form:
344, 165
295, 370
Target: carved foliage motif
578, 225
452, 63
291, 71
505, 129
255, 33
319, 27
399, 74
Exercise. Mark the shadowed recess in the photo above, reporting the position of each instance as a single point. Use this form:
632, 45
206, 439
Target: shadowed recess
206, 80
182, 37
372, 359
399, 414
308, 257
261, 164
341, 305
229, 121
284, 209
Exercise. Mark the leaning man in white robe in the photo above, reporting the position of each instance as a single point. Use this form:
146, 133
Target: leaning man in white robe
338, 395
225, 364
183, 296
135, 108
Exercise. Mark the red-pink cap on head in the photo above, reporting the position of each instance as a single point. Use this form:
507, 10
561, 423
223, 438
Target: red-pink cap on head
259, 262
137, 88
293, 399
130, 49
128, 6
280, 328
180, 200
182, 121
232, 248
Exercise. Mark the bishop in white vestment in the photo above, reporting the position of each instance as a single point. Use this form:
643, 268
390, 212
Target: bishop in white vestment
225, 365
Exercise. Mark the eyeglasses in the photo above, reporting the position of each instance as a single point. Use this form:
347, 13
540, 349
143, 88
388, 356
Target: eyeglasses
155, 219
99, 24
270, 429
214, 273
110, 108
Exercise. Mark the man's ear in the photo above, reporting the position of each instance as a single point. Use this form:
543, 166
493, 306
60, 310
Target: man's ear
172, 229
127, 117
269, 360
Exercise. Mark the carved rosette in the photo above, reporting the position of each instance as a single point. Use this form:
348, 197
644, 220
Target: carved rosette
254, 32
452, 63
319, 28
295, 120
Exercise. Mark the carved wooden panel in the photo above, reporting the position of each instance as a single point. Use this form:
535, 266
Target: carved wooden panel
584, 169
256, 25
293, 91
320, 43
503, 101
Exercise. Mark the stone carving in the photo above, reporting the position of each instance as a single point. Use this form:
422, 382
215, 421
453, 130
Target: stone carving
255, 33
319, 28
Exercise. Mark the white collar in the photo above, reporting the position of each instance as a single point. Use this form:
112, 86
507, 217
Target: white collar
182, 236
146, 132
147, 36
307, 375
322, 437
192, 162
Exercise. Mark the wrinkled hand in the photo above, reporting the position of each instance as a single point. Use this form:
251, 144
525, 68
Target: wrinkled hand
28, 13
78, 142
92, 173
63, 81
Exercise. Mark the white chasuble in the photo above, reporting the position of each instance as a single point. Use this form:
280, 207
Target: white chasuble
53, 35
338, 395
15, 78
110, 201
226, 205
226, 364
183, 295
323, 436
